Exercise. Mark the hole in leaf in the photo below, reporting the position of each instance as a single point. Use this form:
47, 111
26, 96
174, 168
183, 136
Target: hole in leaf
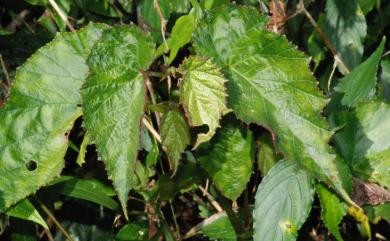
31, 165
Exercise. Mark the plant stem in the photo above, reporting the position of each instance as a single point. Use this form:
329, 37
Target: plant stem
61, 14
302, 9
151, 129
163, 23
175, 220
5, 71
152, 95
211, 199
236, 223
55, 221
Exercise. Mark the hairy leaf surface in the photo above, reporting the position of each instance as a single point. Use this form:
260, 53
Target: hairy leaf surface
229, 159
270, 84
203, 95
283, 202
332, 210
43, 106
113, 101
175, 135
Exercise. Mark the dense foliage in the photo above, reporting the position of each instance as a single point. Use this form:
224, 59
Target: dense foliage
195, 119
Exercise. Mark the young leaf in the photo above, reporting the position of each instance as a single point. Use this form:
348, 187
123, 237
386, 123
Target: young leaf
332, 210
180, 36
229, 159
25, 210
83, 149
175, 135
365, 141
40, 112
270, 84
346, 28
283, 202
359, 84
113, 101
203, 95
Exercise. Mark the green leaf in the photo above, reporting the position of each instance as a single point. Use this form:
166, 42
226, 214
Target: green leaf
358, 85
89, 189
38, 2
219, 227
266, 155
175, 135
367, 5
41, 111
102, 7
364, 142
203, 95
229, 158
270, 84
210, 4
385, 78
283, 202
181, 35
113, 101
332, 210
378, 212
150, 18
25, 210
187, 177
83, 149
127, 5
133, 231
84, 232
346, 28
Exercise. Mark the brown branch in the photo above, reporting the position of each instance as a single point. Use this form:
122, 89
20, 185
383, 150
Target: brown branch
4, 67
302, 9
163, 22
151, 129
61, 14
55, 221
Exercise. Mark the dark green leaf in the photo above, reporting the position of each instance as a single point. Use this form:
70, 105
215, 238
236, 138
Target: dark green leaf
113, 101
133, 231
175, 135
346, 28
187, 177
367, 5
266, 155
85, 232
88, 189
364, 142
385, 78
283, 202
151, 19
332, 210
41, 111
270, 84
229, 159
358, 85
203, 95
219, 228
25, 210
